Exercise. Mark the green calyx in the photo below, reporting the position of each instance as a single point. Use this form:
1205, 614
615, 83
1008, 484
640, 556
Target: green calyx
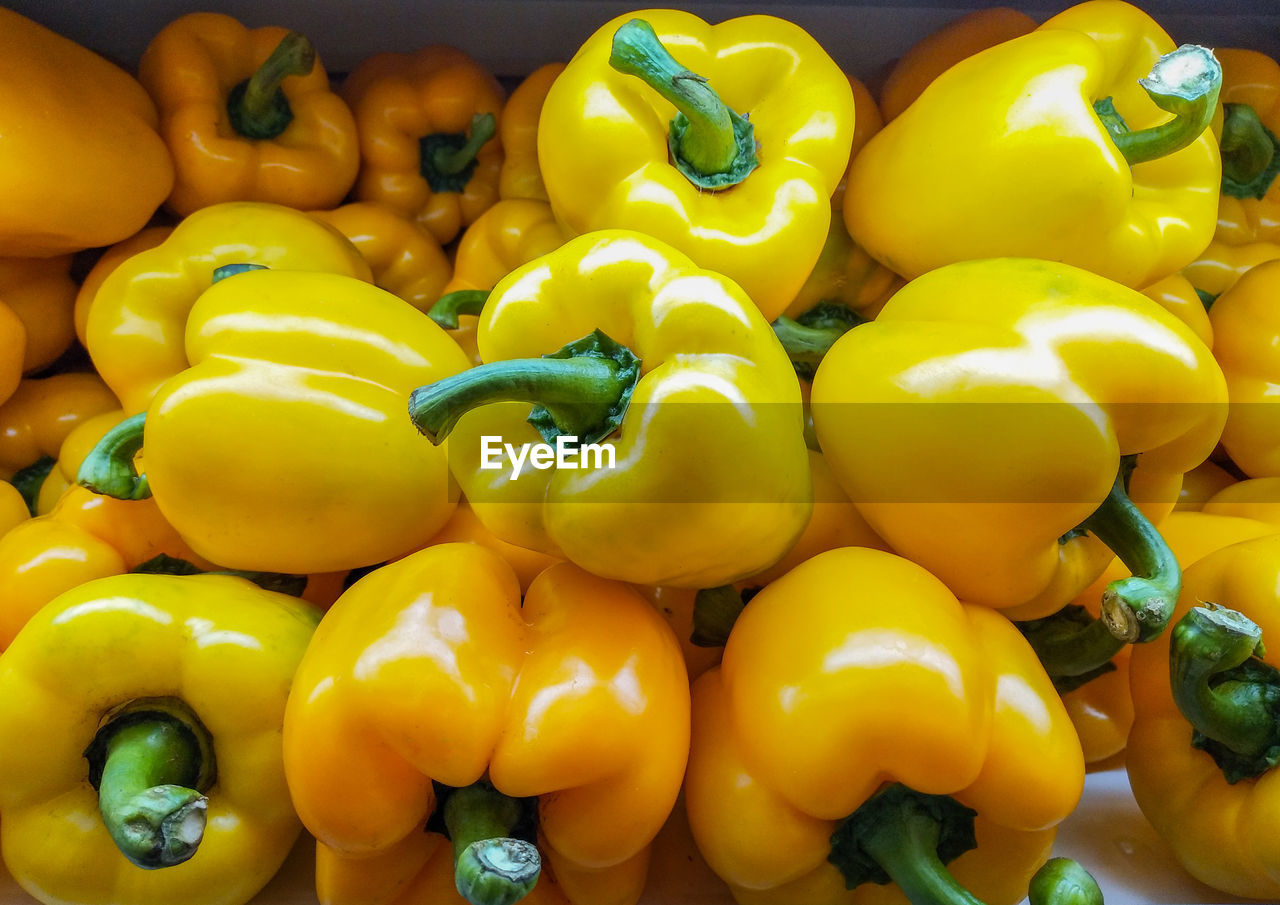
715, 610
447, 160
809, 337
151, 763
448, 307
280, 582
581, 390
495, 859
1226, 692
257, 107
108, 469
713, 146
230, 270
1072, 645
1185, 82
28, 480
1250, 153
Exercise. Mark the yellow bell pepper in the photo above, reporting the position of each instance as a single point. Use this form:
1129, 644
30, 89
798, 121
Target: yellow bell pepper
1249, 206
1036, 379
41, 294
613, 156
283, 447
76, 446
140, 718
138, 317
671, 414
1200, 484
1246, 329
1203, 747
110, 259
406, 260
38, 417
520, 176
937, 52
428, 123
1176, 294
13, 508
511, 233
1014, 152
465, 527
858, 698
248, 115
1256, 498
1220, 265
431, 696
83, 164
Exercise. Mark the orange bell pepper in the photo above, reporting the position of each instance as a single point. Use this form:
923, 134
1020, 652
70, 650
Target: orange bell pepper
934, 54
248, 115
520, 176
428, 123
82, 163
432, 695
406, 259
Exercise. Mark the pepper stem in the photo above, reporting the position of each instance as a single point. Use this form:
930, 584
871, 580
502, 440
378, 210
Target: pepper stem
452, 161
808, 338
490, 866
715, 610
710, 144
109, 469
447, 160
1231, 699
1061, 881
28, 480
580, 391
149, 767
1184, 82
1250, 160
463, 301
257, 106
1072, 646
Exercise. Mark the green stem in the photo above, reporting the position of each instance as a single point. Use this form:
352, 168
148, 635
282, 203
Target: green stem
1061, 881
1072, 646
28, 480
230, 270
257, 107
491, 867
712, 145
464, 301
1184, 82
1139, 607
580, 391
715, 610
1250, 158
808, 338
280, 582
150, 765
451, 161
1231, 699
447, 160
109, 469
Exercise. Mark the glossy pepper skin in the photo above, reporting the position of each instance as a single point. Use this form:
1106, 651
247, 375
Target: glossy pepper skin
41, 294
295, 146
1246, 334
111, 258
85, 536
605, 163
1035, 378
708, 482
413, 110
431, 669
1223, 833
78, 443
1023, 139
1176, 294
283, 447
82, 161
406, 260
892, 680
222, 647
1102, 708
138, 317
935, 53
520, 176
13, 508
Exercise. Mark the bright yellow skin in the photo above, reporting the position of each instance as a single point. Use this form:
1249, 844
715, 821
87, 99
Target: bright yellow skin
139, 316
1200, 484
431, 668
190, 68
406, 259
602, 147
1257, 498
520, 176
82, 161
225, 647
1028, 168
891, 680
1224, 835
36, 419
313, 465
1026, 374
13, 508
41, 294
1246, 333
700, 495
112, 258
1176, 294
78, 443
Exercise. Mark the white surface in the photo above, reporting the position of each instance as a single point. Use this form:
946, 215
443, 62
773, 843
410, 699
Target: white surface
1107, 833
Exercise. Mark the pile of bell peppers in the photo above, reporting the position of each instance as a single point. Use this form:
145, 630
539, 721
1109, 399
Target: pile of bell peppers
486, 476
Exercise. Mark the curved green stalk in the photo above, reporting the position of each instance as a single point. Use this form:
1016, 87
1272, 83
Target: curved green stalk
108, 468
257, 107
